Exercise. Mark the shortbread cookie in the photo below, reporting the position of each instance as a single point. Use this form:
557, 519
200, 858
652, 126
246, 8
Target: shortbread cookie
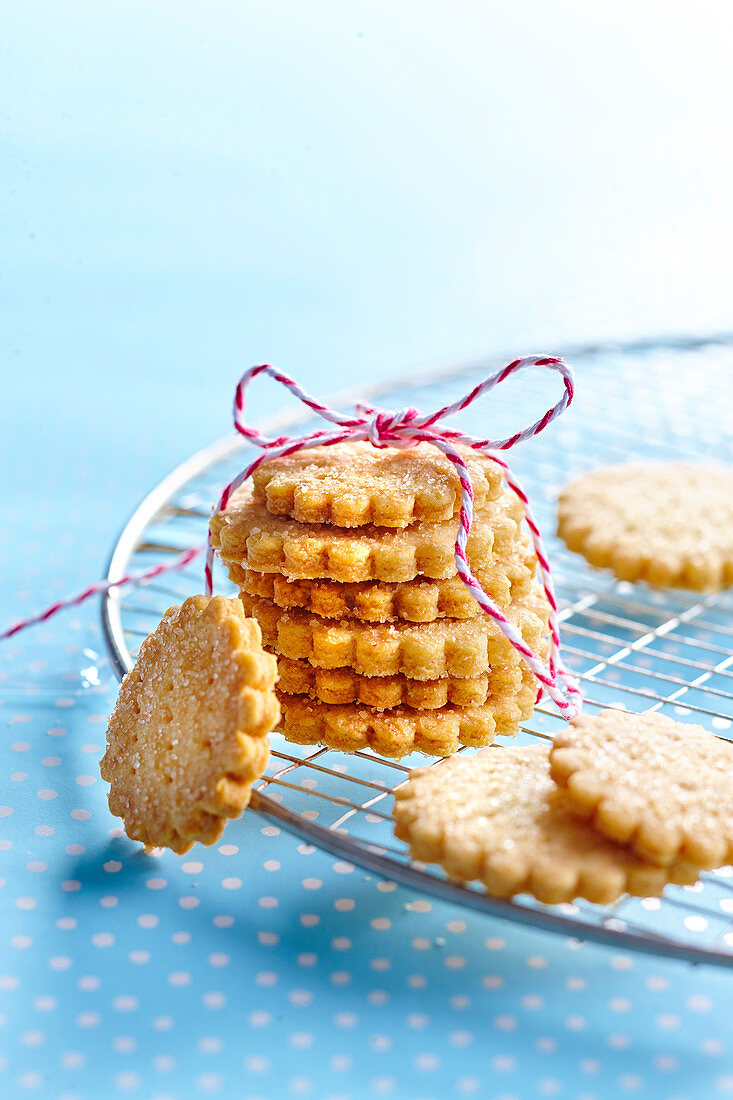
399, 731
668, 524
663, 788
422, 651
498, 817
188, 734
250, 535
417, 601
354, 484
342, 685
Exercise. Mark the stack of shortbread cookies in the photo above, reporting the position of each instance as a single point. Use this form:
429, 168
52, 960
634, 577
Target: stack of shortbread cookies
345, 556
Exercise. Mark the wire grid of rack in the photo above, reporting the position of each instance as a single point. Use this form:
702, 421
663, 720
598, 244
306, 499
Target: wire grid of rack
634, 647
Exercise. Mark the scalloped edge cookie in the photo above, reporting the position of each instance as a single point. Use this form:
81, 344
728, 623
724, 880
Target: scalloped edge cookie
417, 601
499, 818
188, 734
398, 732
355, 484
662, 787
342, 686
420, 651
247, 533
670, 524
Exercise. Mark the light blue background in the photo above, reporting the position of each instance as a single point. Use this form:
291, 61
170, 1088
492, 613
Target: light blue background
347, 190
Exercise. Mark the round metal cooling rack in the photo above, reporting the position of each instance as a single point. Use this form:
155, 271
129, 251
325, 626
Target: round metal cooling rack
634, 647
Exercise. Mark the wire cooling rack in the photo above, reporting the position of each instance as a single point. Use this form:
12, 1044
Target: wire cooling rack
634, 647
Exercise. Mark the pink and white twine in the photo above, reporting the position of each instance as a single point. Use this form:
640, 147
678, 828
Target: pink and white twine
404, 428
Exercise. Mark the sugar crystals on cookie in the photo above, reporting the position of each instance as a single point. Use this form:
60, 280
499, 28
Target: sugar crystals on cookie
188, 735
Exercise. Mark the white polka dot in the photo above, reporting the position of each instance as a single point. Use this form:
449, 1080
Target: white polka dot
219, 959
312, 883
60, 962
619, 1042
181, 937
193, 867
495, 944
73, 1059
21, 942
504, 1063
48, 796
78, 815
45, 1004
266, 978
88, 983
260, 1018
667, 1021
699, 1003
214, 999
148, 920
341, 867
103, 939
345, 1019
88, 1019
189, 902
386, 887
417, 1020
228, 849
340, 978
341, 943
163, 1023
124, 1044
380, 924
86, 780
44, 830
75, 849
667, 1063
125, 1003
210, 1044
231, 883
155, 883
695, 923
257, 1064
139, 957
271, 865
268, 939
268, 903
505, 1023
344, 905
51, 761
223, 921
32, 1038
179, 978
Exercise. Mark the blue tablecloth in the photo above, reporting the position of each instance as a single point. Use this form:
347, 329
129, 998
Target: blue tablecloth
346, 190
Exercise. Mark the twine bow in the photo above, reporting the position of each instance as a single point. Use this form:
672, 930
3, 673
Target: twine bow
407, 428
